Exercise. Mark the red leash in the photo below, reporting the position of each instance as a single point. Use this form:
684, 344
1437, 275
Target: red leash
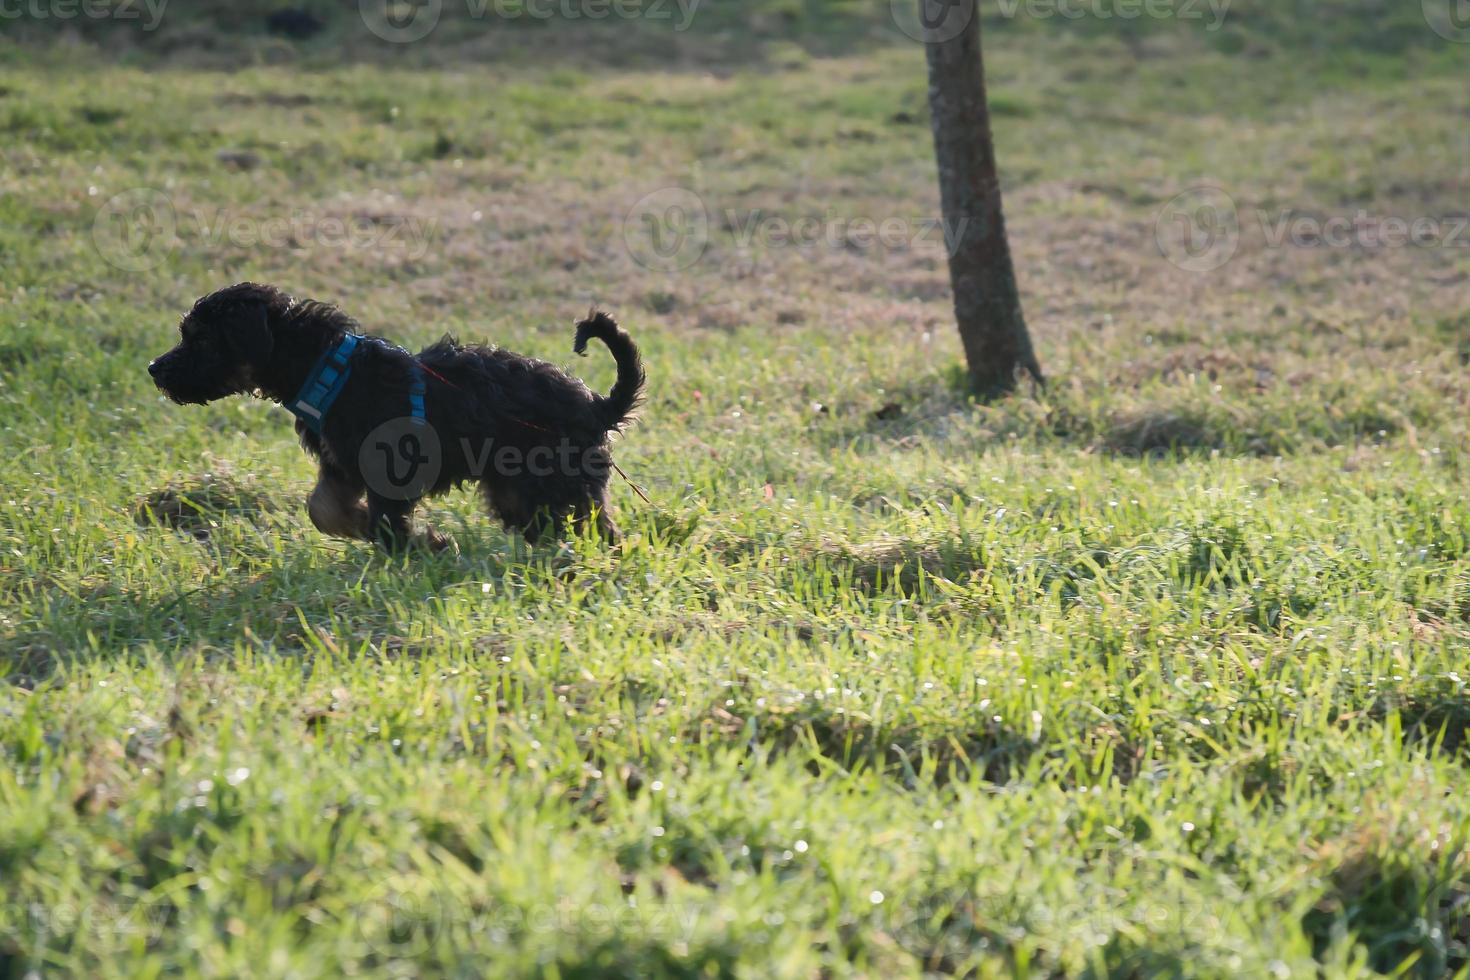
435, 374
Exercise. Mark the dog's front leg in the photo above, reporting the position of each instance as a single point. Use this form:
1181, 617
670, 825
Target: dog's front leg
335, 505
392, 526
390, 521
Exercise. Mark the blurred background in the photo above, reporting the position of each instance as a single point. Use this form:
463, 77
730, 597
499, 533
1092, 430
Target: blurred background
1158, 671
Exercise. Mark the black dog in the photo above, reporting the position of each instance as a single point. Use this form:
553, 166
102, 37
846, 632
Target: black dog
394, 427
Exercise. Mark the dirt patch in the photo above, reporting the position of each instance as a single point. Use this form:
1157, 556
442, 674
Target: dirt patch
197, 507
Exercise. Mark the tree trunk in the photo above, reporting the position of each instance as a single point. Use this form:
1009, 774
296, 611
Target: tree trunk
986, 300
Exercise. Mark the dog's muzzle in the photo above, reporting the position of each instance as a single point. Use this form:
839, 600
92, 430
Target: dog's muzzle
164, 372
164, 369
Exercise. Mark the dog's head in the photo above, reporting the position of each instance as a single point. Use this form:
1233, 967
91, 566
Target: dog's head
225, 344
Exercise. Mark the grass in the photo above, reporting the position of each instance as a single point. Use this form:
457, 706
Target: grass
1159, 671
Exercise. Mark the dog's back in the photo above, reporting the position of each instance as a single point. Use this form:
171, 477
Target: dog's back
508, 387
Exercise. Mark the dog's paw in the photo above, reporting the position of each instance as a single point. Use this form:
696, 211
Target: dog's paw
436, 542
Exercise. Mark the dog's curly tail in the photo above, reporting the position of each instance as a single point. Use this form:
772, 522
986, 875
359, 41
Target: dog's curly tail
618, 405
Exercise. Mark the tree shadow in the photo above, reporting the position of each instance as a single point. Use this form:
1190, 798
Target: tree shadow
1164, 425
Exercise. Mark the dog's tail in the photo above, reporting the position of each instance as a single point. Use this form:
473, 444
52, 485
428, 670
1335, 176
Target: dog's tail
616, 406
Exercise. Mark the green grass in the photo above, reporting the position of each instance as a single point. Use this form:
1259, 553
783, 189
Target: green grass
1159, 671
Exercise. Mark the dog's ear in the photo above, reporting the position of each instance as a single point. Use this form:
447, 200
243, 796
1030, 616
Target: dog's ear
251, 339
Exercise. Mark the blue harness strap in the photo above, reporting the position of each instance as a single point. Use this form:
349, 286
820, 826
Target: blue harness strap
325, 383
327, 379
416, 391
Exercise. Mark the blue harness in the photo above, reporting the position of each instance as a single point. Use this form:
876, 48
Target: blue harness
325, 383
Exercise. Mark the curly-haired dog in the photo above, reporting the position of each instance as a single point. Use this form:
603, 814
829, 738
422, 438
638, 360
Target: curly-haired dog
390, 427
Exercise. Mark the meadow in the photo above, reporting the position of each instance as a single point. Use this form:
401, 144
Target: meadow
1160, 670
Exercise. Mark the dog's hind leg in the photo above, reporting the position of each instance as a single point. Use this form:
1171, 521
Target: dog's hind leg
593, 512
535, 527
506, 502
335, 505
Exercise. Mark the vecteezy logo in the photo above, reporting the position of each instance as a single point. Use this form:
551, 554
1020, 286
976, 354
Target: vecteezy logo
401, 21
135, 230
933, 21
399, 923
1199, 230
668, 230
401, 459
1450, 19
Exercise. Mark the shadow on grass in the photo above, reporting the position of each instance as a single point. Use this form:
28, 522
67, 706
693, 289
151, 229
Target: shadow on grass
290, 601
1163, 425
1406, 902
677, 35
1440, 723
980, 748
669, 35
